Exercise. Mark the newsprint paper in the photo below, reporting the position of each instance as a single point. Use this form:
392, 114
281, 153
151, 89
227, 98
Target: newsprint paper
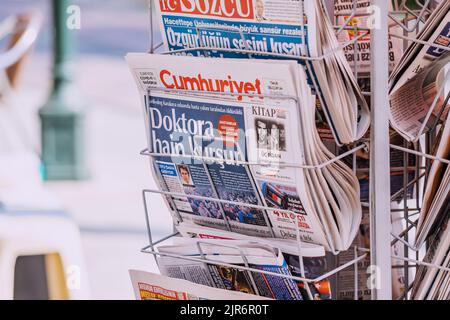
421, 79
223, 274
150, 286
274, 29
244, 147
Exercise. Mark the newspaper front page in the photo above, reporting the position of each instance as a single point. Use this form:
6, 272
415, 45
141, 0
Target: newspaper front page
246, 146
261, 29
236, 253
314, 261
265, 26
216, 128
150, 286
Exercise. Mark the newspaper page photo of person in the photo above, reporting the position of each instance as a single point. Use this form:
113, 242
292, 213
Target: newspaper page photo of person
270, 135
202, 208
185, 175
262, 135
259, 10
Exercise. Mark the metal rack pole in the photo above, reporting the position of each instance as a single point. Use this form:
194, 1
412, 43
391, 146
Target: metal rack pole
380, 217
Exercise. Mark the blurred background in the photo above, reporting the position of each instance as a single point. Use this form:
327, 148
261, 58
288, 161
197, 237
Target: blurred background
98, 189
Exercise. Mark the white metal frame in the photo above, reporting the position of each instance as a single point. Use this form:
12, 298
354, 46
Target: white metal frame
380, 209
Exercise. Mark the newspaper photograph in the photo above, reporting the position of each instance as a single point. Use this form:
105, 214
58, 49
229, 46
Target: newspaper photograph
314, 267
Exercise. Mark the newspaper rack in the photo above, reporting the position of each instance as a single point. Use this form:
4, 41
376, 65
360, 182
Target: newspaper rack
382, 236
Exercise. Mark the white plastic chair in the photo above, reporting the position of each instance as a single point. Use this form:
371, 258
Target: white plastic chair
52, 235
31, 222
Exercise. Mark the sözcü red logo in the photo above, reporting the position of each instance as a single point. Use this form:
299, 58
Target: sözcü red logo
231, 9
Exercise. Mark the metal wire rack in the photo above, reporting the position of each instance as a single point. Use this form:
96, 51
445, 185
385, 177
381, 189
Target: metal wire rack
382, 239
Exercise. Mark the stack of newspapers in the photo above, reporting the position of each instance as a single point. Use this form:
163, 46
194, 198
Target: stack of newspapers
432, 283
433, 227
243, 132
246, 266
219, 258
230, 117
419, 83
419, 103
214, 263
235, 149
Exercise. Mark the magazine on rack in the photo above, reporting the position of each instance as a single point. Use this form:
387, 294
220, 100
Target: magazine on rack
274, 29
255, 255
360, 51
239, 132
150, 286
422, 67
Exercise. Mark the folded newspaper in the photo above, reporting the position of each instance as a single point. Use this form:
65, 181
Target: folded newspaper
433, 226
272, 29
433, 283
240, 132
215, 263
436, 200
314, 261
397, 168
150, 286
420, 80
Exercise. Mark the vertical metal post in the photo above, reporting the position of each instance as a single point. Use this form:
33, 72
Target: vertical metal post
380, 215
62, 117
